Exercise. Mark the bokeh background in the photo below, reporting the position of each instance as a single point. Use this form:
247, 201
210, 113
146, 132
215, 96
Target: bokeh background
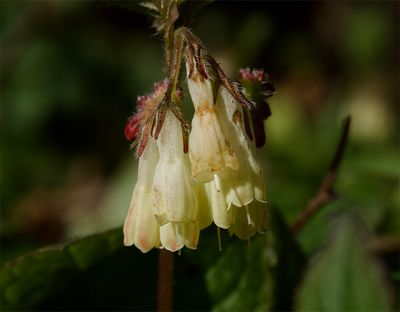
71, 72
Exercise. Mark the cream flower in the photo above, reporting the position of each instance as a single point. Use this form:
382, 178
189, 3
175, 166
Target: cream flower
240, 187
141, 228
176, 235
175, 202
243, 222
209, 148
212, 206
230, 184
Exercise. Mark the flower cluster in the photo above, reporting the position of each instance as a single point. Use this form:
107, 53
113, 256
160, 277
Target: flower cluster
188, 180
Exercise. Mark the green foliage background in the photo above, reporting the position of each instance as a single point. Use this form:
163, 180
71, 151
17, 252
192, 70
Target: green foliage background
70, 75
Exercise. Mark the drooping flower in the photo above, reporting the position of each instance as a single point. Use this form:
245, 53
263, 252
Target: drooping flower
245, 184
210, 150
222, 156
175, 200
234, 198
163, 209
141, 227
243, 189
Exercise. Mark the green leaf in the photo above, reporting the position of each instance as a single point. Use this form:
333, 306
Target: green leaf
259, 276
26, 281
96, 273
344, 276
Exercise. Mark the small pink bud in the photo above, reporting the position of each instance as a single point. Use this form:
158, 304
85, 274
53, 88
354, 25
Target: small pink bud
245, 73
258, 74
252, 74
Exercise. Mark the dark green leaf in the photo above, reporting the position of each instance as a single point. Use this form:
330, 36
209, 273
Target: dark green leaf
93, 273
28, 280
344, 277
261, 276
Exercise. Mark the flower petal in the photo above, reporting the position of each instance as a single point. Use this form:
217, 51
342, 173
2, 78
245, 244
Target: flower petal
176, 235
174, 194
214, 202
140, 227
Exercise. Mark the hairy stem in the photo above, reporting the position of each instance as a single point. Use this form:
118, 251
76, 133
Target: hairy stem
170, 16
174, 71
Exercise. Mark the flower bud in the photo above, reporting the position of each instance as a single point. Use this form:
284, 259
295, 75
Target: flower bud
258, 88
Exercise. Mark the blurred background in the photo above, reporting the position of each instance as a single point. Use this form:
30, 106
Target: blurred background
71, 72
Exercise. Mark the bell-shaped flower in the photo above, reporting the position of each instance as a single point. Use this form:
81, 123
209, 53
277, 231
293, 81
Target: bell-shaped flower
210, 151
175, 202
240, 187
141, 227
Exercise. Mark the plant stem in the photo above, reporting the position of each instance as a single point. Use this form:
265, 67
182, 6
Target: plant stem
165, 276
325, 193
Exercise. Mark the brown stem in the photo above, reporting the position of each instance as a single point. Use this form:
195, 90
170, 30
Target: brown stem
325, 193
165, 276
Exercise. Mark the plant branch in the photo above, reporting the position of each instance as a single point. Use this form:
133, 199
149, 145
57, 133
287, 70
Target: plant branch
165, 275
325, 193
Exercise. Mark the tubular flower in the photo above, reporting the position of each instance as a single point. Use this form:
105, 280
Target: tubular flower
141, 228
246, 184
163, 209
175, 199
210, 151
235, 199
